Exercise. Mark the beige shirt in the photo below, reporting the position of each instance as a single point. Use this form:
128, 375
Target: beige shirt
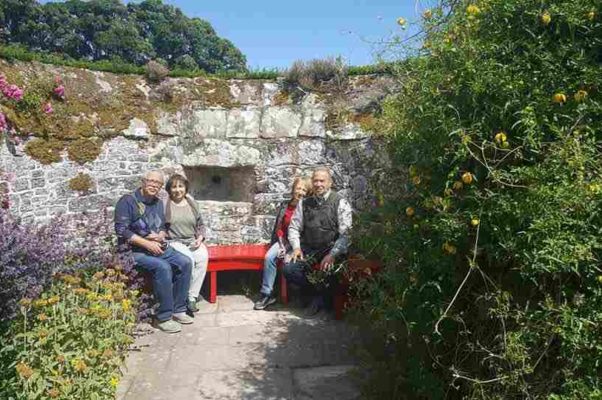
183, 223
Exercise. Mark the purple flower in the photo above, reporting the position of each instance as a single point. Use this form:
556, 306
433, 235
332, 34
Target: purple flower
59, 91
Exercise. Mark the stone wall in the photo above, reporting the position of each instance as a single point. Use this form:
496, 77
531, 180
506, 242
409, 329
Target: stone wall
270, 135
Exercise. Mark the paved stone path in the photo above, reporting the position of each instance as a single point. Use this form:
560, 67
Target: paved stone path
234, 352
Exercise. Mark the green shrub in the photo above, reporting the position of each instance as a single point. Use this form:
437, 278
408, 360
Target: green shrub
316, 74
490, 220
69, 343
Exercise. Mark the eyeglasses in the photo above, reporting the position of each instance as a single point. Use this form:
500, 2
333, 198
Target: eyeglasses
153, 182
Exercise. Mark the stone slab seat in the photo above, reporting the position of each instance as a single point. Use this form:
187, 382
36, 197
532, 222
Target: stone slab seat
239, 257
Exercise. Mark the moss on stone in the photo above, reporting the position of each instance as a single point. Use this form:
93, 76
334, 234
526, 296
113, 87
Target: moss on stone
84, 150
46, 151
81, 183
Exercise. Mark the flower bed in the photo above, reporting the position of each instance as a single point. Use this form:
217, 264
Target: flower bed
71, 341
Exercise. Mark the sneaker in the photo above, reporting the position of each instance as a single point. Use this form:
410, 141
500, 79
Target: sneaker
182, 318
263, 302
168, 326
191, 305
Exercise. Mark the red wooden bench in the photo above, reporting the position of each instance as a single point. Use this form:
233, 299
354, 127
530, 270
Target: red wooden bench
250, 257
236, 258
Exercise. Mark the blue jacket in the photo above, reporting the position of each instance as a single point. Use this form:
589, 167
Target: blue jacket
137, 214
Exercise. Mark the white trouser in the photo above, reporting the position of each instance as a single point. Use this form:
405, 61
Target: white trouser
199, 258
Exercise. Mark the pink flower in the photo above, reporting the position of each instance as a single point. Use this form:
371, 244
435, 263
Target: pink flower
47, 108
59, 91
3, 82
13, 92
3, 123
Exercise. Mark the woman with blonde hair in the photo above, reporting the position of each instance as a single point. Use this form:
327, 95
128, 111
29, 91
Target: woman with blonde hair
279, 242
186, 233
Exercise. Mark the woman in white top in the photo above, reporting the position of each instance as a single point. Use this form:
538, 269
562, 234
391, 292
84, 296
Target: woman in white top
186, 233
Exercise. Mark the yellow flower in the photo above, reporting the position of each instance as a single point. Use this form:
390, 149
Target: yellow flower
40, 303
458, 185
546, 18
42, 333
126, 305
54, 393
467, 178
25, 302
80, 291
600, 278
53, 300
580, 96
98, 276
79, 365
427, 14
559, 98
114, 381
60, 358
110, 272
416, 180
449, 248
410, 211
24, 370
500, 137
505, 145
591, 15
473, 10
401, 22
43, 317
475, 222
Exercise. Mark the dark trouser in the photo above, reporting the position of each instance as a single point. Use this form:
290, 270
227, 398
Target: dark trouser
171, 279
296, 273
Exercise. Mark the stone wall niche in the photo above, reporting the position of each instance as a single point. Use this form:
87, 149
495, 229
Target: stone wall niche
237, 184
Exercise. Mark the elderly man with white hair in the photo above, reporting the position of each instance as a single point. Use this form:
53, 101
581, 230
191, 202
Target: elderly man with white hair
140, 226
319, 235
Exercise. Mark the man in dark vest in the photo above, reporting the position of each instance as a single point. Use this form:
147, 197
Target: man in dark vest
140, 227
318, 234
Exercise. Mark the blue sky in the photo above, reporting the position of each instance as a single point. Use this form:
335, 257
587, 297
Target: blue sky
274, 33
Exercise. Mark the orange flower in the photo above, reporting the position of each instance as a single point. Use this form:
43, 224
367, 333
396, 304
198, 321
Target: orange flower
559, 98
410, 211
24, 370
467, 178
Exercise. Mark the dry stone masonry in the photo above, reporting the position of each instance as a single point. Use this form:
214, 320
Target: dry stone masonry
240, 157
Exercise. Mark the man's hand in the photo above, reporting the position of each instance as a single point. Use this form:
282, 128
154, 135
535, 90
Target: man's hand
297, 254
281, 251
156, 237
327, 262
153, 247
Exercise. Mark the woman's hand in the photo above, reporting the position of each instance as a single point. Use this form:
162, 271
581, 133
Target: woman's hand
198, 242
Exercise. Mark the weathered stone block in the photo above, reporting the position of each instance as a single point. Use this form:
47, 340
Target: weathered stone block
243, 123
280, 122
138, 129
204, 123
212, 152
